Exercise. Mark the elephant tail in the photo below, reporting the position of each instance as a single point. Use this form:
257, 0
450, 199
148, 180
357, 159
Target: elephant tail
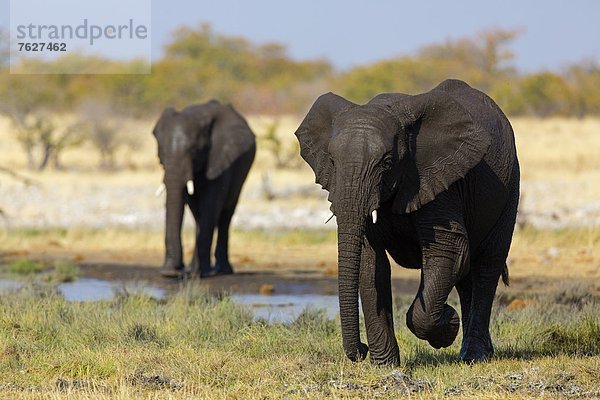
505, 279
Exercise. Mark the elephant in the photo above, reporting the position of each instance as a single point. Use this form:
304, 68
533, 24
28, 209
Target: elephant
432, 180
206, 151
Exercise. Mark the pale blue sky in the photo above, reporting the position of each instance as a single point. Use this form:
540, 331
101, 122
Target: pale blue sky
351, 32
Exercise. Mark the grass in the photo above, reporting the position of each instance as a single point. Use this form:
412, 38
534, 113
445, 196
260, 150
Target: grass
24, 267
557, 148
57, 271
63, 271
194, 346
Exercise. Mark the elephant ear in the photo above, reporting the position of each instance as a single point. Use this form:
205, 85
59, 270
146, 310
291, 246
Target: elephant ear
314, 134
230, 138
440, 144
200, 117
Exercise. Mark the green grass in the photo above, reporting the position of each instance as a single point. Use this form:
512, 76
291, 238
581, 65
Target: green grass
24, 267
64, 271
195, 346
58, 271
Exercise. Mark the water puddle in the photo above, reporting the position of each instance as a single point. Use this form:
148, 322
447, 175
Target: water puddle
275, 308
90, 289
6, 284
286, 308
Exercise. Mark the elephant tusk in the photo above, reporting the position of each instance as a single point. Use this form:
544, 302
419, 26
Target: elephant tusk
190, 187
374, 215
329, 219
161, 188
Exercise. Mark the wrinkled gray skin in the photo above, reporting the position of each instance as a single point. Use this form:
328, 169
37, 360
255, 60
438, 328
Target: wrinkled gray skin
441, 170
212, 145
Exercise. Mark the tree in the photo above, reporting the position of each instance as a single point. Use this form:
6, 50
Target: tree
43, 139
200, 64
546, 94
584, 79
31, 102
483, 61
102, 125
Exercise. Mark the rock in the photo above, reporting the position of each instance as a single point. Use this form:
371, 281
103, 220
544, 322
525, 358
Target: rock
266, 289
519, 304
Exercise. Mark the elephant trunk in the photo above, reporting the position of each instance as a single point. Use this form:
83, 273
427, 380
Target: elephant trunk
351, 230
355, 203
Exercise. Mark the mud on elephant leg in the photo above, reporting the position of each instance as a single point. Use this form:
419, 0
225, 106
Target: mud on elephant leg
376, 299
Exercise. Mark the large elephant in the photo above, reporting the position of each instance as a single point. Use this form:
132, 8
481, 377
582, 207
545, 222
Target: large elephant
206, 151
431, 179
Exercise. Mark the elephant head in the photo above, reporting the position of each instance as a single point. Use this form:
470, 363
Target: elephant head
398, 150
199, 143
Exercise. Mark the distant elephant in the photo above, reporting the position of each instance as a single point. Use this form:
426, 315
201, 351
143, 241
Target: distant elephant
431, 179
206, 151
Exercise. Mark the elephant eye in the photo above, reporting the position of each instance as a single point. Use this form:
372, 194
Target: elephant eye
386, 163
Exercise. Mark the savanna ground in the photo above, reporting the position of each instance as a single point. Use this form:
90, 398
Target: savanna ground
192, 344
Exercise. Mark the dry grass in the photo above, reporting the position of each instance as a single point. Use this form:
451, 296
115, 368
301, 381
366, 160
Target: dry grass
143, 156
193, 346
558, 148
555, 149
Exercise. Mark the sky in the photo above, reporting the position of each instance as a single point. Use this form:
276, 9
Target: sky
348, 32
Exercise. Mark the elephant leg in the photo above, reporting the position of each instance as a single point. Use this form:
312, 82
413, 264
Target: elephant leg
376, 299
464, 287
235, 181
223, 266
445, 254
477, 343
204, 243
194, 265
206, 216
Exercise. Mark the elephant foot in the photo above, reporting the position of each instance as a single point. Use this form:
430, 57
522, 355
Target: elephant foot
203, 274
170, 270
475, 349
223, 269
446, 335
198, 270
357, 354
392, 360
439, 334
